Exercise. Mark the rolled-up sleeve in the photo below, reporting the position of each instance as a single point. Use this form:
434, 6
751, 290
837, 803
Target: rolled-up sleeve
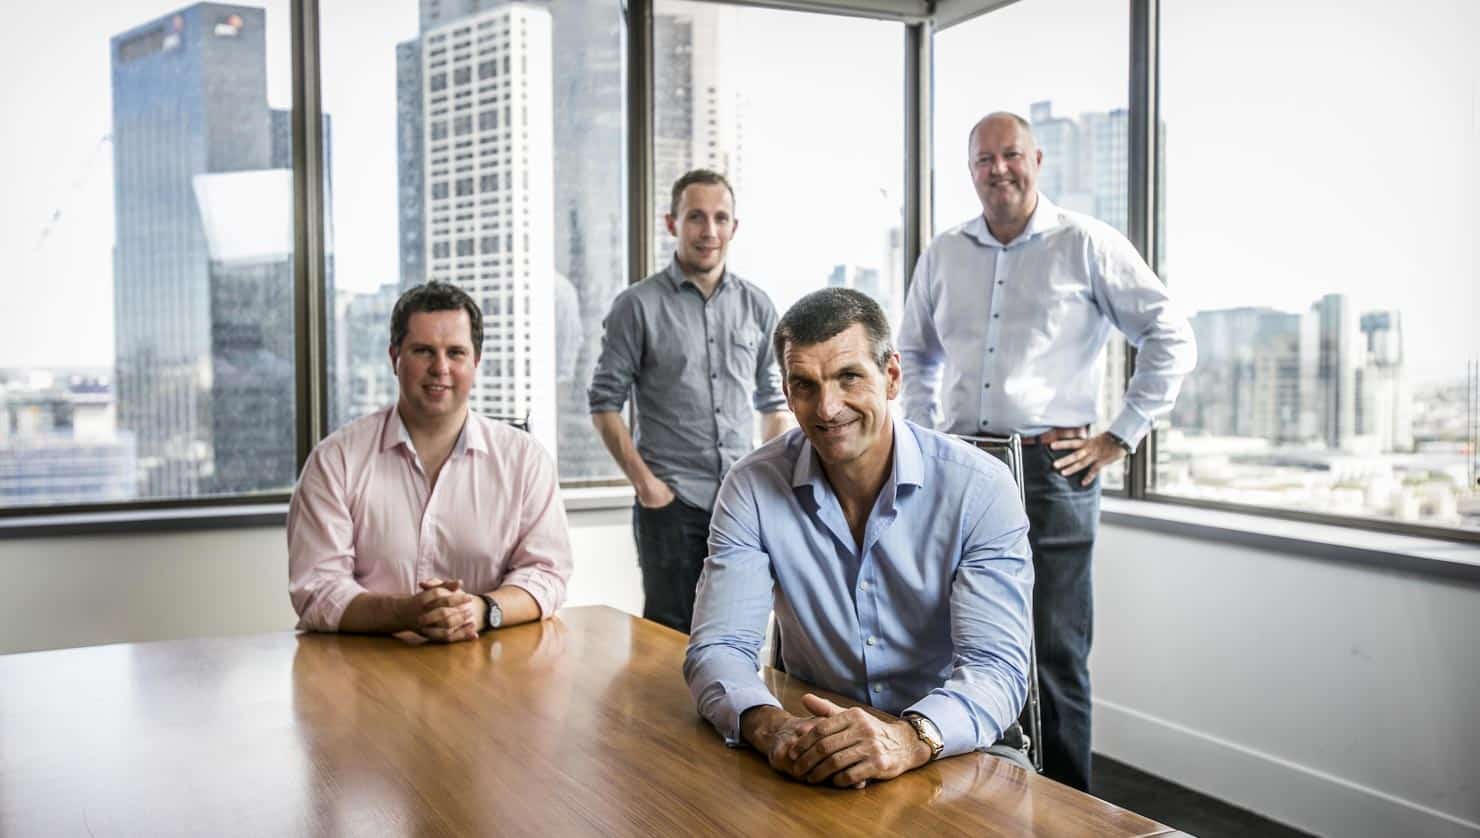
768, 395
321, 548
1137, 303
991, 598
541, 562
731, 607
921, 353
621, 356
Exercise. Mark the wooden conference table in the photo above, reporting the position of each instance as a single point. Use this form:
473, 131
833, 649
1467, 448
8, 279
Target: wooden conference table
579, 725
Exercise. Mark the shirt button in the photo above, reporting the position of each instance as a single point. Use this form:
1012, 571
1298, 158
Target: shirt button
878, 688
716, 410
714, 375
863, 586
711, 340
994, 317
999, 282
871, 640
989, 386
991, 349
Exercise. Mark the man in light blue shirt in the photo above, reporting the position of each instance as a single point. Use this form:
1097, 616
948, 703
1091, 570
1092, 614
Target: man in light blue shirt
896, 559
1004, 328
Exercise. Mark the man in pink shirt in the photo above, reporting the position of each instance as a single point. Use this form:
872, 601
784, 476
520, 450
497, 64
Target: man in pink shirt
425, 516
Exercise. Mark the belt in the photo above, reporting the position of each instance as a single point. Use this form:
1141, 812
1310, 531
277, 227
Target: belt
1055, 434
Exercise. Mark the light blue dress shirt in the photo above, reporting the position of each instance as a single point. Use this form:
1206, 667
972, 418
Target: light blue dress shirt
1017, 330
930, 615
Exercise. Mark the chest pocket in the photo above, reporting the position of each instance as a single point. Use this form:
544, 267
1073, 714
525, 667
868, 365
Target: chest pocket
744, 346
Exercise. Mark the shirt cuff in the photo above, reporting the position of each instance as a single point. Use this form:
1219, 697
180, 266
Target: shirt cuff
737, 701
957, 727
1130, 426
328, 608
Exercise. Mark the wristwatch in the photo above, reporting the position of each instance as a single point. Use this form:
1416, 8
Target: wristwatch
495, 614
928, 733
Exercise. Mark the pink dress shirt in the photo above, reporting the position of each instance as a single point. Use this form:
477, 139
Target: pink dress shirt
363, 518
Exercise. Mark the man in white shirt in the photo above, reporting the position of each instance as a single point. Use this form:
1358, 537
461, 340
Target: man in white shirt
1003, 330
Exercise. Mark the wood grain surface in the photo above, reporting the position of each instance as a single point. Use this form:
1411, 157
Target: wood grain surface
580, 725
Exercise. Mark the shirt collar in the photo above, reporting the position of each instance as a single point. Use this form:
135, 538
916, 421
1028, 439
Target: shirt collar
470, 438
1046, 216
908, 468
677, 279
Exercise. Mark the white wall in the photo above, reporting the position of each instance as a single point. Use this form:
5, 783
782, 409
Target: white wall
1336, 698
86, 590
1340, 699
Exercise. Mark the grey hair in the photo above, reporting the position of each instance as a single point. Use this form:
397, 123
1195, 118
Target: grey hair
822, 315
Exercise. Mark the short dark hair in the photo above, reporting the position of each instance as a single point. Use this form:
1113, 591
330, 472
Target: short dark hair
706, 176
436, 296
822, 315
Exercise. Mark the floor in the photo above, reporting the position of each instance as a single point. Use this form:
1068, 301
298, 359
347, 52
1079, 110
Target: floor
1178, 807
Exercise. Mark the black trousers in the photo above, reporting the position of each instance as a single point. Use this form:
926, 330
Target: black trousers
672, 544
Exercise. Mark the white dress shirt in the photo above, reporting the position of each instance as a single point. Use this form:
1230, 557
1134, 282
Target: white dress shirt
1017, 329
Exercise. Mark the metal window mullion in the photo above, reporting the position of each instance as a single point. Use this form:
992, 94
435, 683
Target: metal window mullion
640, 131
1145, 115
310, 308
919, 78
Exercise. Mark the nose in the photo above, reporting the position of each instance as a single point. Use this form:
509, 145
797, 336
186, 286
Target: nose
829, 404
439, 363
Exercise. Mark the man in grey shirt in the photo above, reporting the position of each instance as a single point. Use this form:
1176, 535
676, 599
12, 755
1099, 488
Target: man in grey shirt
696, 341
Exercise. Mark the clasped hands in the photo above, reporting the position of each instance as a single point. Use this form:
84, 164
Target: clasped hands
837, 746
443, 611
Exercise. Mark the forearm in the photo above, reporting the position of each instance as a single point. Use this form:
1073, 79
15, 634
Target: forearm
759, 724
618, 441
774, 424
378, 614
518, 605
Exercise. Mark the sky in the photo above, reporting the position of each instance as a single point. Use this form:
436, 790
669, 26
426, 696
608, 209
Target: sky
1335, 152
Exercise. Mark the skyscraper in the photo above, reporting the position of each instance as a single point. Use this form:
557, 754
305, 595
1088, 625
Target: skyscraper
1330, 352
489, 181
1384, 404
189, 98
696, 108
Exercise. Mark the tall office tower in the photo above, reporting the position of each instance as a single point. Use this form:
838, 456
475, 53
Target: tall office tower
410, 168
1248, 377
696, 109
189, 98
489, 197
589, 194
367, 317
251, 318
1060, 177
895, 270
1330, 352
1384, 408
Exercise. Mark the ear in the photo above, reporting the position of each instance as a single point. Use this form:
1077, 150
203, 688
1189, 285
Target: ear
395, 353
671, 223
734, 227
1037, 157
895, 377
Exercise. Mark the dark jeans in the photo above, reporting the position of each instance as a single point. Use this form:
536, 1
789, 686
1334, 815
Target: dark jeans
672, 544
1062, 519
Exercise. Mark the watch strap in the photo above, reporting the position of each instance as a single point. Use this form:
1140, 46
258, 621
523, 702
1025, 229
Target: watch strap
493, 615
928, 733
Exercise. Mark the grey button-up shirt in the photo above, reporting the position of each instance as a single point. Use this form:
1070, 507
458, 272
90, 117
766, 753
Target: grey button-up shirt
701, 367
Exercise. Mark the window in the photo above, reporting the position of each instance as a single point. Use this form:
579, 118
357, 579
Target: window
817, 177
1330, 275
570, 184
146, 342
1075, 99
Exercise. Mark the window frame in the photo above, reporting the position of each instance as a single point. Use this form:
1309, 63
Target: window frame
922, 20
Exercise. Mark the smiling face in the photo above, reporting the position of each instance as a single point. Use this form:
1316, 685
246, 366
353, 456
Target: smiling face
435, 364
841, 397
1004, 163
704, 224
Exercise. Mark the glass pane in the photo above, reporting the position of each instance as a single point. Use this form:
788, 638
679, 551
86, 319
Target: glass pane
1062, 65
146, 341
804, 114
465, 152
1333, 274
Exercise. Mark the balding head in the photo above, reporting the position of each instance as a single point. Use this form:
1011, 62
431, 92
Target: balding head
1001, 118
1004, 160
